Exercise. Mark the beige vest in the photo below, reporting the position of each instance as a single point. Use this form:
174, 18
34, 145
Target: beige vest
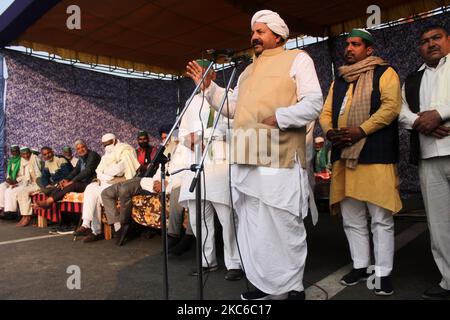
265, 86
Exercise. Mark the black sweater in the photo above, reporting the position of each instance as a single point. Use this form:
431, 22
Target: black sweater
89, 162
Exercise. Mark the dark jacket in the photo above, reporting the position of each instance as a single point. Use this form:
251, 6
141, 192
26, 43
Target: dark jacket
383, 145
61, 174
84, 171
412, 93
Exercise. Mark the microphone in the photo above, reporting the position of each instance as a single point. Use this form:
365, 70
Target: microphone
193, 167
221, 52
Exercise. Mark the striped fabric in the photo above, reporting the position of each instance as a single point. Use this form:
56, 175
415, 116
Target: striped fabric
51, 213
71, 203
71, 207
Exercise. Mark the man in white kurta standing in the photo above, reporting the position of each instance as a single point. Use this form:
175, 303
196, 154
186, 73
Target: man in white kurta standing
426, 112
119, 163
277, 95
216, 187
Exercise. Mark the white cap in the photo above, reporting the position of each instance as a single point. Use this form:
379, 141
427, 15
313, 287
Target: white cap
108, 136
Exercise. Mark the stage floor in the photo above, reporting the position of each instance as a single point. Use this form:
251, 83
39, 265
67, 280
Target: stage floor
34, 266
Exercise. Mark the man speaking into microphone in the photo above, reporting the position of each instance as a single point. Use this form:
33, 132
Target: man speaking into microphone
275, 98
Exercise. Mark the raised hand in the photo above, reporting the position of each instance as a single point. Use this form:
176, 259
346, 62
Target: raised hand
195, 72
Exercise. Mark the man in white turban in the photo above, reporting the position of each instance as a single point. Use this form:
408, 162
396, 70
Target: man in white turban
277, 96
119, 163
273, 21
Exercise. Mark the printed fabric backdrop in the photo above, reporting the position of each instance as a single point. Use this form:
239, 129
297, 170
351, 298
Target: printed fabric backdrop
49, 103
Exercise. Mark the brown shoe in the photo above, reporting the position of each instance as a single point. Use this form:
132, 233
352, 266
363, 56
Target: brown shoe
82, 231
93, 237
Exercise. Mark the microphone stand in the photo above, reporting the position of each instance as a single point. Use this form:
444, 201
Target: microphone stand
163, 162
160, 158
196, 184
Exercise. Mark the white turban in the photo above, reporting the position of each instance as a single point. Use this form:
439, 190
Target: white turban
108, 136
273, 22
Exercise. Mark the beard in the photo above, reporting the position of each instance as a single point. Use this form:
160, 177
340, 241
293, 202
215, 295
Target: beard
144, 145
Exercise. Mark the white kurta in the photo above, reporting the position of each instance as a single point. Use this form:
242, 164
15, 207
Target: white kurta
177, 161
179, 157
121, 162
271, 203
434, 95
216, 184
8, 193
434, 168
216, 165
28, 185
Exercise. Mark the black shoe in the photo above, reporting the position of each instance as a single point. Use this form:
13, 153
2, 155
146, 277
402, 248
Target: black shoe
172, 242
82, 231
148, 234
436, 293
385, 286
93, 237
53, 230
9, 215
355, 276
122, 235
234, 275
184, 245
296, 295
65, 229
205, 270
260, 295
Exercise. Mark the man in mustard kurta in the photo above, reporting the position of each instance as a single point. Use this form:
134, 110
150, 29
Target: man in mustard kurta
360, 119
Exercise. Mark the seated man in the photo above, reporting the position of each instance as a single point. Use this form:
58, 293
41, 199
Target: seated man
28, 185
145, 152
14, 175
67, 153
322, 153
37, 161
121, 218
55, 169
79, 178
124, 192
119, 163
